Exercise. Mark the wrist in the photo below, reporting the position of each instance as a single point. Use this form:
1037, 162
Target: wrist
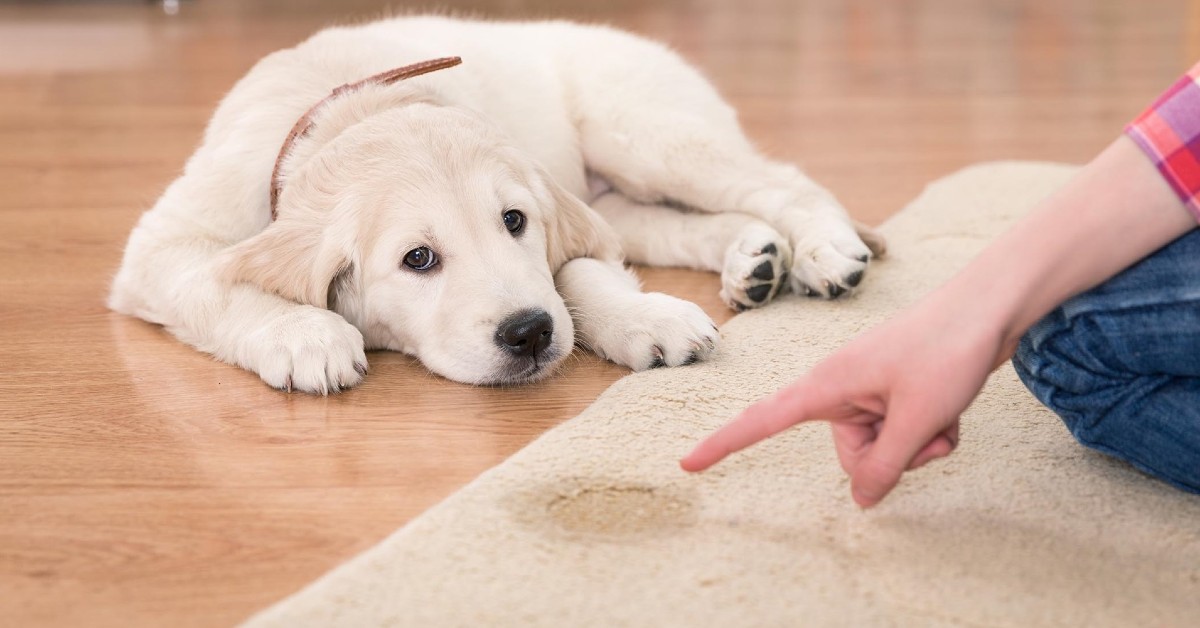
985, 306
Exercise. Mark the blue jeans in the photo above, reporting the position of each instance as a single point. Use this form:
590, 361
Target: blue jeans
1121, 364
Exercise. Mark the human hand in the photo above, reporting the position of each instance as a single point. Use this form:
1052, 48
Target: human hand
893, 397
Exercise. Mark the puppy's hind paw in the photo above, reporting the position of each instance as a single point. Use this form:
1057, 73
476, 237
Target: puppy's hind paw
830, 258
756, 267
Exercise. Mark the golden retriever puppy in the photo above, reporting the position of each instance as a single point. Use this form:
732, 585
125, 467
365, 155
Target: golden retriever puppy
439, 209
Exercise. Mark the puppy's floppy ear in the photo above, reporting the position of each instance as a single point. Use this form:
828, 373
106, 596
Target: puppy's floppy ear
294, 260
575, 230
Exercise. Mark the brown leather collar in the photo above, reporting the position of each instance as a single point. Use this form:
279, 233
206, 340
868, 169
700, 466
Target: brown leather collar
304, 124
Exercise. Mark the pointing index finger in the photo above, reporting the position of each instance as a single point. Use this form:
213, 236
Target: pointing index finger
760, 421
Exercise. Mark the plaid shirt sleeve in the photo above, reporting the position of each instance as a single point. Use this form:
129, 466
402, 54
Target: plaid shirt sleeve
1169, 133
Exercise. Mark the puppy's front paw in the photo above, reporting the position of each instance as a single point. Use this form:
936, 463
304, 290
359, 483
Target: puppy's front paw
656, 330
830, 258
308, 349
756, 266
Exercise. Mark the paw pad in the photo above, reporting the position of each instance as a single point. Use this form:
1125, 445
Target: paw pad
755, 268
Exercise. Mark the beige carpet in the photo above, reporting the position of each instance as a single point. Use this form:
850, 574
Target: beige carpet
595, 525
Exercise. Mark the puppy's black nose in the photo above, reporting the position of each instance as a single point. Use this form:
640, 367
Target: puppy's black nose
525, 333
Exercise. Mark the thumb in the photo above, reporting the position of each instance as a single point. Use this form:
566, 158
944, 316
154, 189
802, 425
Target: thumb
904, 434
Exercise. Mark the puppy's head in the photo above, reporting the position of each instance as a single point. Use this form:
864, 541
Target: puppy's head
430, 233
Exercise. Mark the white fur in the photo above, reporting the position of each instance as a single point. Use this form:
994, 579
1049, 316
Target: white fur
435, 161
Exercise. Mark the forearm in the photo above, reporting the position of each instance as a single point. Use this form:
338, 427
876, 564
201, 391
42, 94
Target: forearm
1116, 211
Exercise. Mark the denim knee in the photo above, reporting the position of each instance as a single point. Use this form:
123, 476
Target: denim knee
1073, 365
1055, 362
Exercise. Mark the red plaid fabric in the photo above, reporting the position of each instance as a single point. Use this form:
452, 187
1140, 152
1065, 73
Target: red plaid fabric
1169, 133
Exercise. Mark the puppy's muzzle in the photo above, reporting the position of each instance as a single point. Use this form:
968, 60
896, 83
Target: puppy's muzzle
526, 333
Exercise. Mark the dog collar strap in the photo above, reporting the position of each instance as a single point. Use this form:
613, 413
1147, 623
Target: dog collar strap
304, 124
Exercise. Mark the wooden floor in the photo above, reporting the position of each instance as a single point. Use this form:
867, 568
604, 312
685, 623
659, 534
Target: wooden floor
141, 483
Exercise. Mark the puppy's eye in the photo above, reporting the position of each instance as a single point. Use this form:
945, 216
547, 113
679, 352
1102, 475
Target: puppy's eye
420, 258
514, 221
